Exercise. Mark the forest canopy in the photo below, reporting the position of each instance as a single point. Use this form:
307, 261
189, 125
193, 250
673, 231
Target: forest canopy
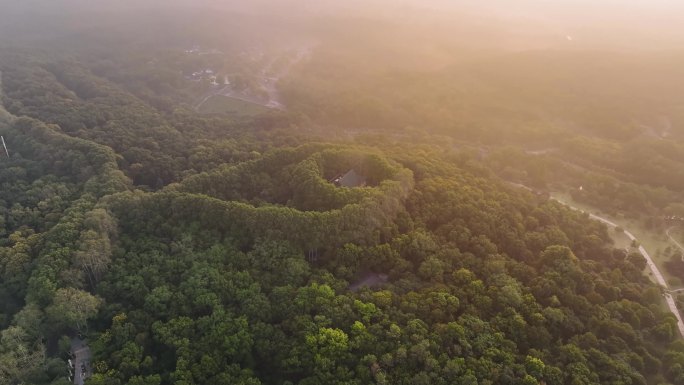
187, 245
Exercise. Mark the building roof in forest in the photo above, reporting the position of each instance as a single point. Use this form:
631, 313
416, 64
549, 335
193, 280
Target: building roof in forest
350, 179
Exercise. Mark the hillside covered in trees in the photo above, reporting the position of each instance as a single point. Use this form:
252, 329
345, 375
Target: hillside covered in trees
191, 248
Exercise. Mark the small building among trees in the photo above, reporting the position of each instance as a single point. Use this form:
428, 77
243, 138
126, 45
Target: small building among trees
350, 179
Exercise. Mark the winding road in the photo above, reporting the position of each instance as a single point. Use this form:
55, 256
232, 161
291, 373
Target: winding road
649, 261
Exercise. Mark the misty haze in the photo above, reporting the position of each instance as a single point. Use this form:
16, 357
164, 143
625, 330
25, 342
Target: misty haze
301, 192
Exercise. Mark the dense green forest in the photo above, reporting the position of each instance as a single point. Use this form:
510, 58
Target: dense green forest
608, 121
204, 248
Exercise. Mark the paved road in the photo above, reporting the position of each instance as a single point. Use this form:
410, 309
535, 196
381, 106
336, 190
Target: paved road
82, 353
656, 273
649, 261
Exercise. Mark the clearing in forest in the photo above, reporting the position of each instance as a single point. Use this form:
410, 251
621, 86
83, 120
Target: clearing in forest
219, 104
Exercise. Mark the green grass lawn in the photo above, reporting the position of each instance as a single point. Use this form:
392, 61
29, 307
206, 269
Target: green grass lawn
678, 234
622, 241
219, 104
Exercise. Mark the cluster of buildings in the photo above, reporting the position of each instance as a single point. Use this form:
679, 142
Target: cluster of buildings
196, 50
203, 74
207, 73
210, 75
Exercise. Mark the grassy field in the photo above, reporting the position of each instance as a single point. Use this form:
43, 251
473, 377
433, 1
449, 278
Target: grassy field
678, 234
219, 104
654, 241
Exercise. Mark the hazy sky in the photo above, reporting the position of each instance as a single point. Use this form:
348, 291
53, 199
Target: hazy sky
648, 24
621, 24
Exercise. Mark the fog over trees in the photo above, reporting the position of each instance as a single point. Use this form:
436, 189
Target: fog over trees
327, 192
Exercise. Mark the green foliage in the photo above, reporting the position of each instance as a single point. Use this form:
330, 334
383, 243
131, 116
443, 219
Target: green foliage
205, 250
72, 308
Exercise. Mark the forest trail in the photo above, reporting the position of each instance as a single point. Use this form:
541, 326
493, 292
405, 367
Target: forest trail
649, 261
